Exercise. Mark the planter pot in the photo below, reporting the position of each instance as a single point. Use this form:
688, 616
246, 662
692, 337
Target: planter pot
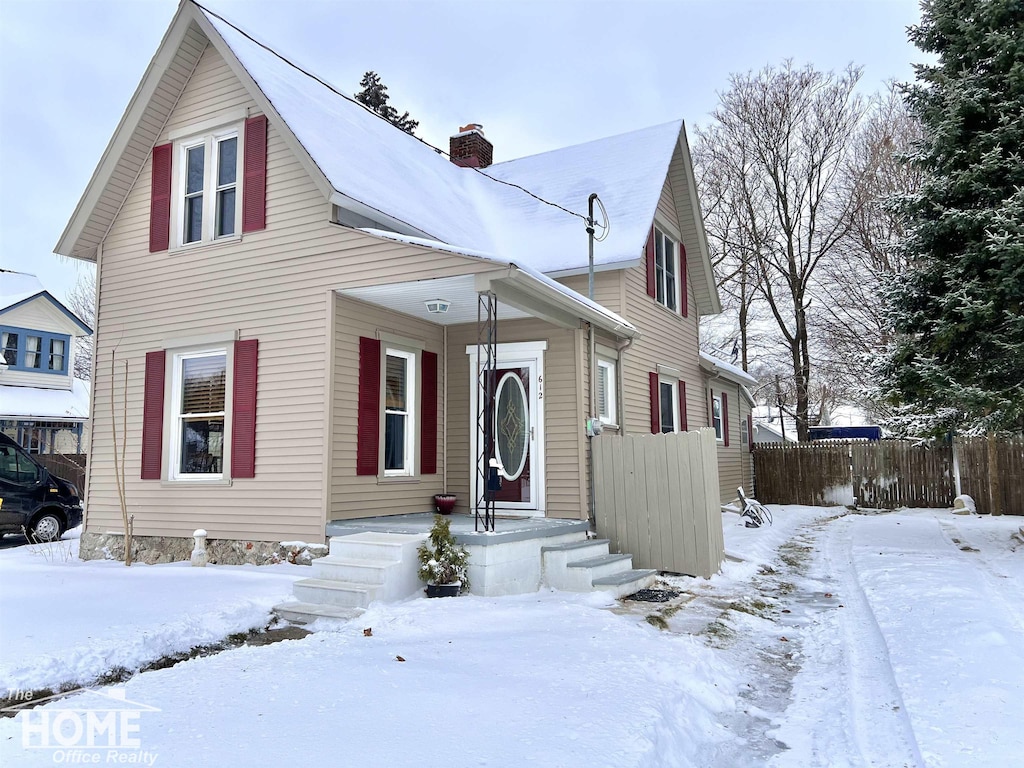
444, 590
445, 503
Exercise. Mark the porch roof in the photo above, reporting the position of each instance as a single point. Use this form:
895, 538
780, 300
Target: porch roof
521, 292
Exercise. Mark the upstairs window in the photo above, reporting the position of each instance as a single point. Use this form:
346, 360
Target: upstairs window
34, 351
209, 206
666, 270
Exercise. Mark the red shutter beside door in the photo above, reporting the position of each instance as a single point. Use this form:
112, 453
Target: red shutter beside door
652, 276
655, 405
428, 425
368, 429
725, 419
254, 182
684, 304
682, 406
160, 199
153, 415
243, 409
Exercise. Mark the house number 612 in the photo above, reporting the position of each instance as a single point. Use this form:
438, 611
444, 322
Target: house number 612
540, 387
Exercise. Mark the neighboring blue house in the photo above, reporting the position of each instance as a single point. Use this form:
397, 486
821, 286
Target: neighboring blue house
42, 405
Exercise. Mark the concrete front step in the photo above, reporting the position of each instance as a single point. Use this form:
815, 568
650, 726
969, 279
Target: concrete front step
625, 582
339, 594
338, 568
556, 558
375, 546
579, 575
306, 613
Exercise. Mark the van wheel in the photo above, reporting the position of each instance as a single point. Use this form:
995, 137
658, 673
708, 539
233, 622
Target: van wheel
46, 527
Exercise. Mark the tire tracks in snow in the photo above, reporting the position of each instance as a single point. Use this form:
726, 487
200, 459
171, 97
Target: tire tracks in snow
880, 723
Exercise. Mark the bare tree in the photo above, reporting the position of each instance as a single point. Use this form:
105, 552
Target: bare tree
82, 301
784, 135
850, 314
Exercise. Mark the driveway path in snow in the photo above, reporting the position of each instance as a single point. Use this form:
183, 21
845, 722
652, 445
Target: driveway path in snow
923, 664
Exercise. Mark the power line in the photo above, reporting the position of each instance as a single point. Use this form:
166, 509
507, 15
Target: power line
345, 96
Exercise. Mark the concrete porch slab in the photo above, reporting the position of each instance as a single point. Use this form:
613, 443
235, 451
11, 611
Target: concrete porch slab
507, 529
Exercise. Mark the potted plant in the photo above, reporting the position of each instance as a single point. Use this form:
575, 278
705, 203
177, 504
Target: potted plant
443, 561
444, 503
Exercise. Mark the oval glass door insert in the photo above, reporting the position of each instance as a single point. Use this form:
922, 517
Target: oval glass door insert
512, 426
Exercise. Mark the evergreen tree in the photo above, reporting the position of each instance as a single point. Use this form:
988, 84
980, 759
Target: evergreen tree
958, 309
375, 96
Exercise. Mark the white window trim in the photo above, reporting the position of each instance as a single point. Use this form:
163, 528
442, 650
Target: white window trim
174, 443
411, 415
674, 384
606, 369
719, 429
211, 141
658, 229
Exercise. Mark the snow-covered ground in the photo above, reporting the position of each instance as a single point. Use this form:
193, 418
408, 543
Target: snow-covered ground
829, 639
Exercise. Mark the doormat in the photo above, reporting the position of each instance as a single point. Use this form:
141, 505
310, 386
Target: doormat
653, 595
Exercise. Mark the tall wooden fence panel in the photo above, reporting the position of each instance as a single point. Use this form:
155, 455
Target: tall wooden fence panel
1009, 474
815, 474
900, 473
70, 467
656, 497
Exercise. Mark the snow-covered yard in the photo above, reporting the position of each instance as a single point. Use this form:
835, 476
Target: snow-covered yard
830, 639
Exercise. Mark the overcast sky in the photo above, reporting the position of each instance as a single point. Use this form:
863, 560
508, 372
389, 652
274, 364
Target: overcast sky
538, 75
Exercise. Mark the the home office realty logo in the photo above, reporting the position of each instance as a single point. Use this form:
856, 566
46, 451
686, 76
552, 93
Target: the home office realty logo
85, 727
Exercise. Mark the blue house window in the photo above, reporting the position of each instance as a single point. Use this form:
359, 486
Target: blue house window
34, 351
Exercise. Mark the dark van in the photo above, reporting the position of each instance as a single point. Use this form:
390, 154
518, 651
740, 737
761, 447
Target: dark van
32, 499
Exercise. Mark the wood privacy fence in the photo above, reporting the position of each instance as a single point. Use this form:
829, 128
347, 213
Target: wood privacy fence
70, 467
656, 497
887, 474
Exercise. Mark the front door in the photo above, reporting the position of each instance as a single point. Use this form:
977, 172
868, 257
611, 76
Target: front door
512, 433
518, 420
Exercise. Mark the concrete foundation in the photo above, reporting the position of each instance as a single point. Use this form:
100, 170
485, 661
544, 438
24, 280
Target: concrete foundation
171, 549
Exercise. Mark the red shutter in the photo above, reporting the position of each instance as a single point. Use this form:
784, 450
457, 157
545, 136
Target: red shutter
153, 415
725, 419
160, 199
428, 424
652, 276
682, 406
655, 405
243, 409
684, 304
750, 432
368, 430
711, 408
254, 181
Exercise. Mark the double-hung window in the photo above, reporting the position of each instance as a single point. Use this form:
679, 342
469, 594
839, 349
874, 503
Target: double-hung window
209, 203
606, 401
716, 416
399, 412
668, 394
199, 392
666, 270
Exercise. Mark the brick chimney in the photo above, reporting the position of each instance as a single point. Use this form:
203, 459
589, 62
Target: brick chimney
469, 148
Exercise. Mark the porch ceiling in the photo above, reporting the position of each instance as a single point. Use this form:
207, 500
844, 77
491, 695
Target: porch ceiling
410, 298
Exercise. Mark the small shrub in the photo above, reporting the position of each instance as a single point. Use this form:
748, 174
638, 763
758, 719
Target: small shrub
442, 559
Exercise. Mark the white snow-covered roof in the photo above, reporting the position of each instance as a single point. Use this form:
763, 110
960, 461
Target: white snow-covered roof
15, 287
726, 370
366, 160
39, 403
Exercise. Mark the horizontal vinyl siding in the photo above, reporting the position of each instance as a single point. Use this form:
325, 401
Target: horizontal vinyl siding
361, 496
564, 492
688, 225
271, 285
735, 468
608, 288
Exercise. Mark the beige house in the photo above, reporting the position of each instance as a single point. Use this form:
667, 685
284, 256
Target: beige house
302, 294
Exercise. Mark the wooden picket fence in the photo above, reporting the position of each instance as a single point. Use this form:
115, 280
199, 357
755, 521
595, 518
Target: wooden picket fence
887, 474
656, 497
